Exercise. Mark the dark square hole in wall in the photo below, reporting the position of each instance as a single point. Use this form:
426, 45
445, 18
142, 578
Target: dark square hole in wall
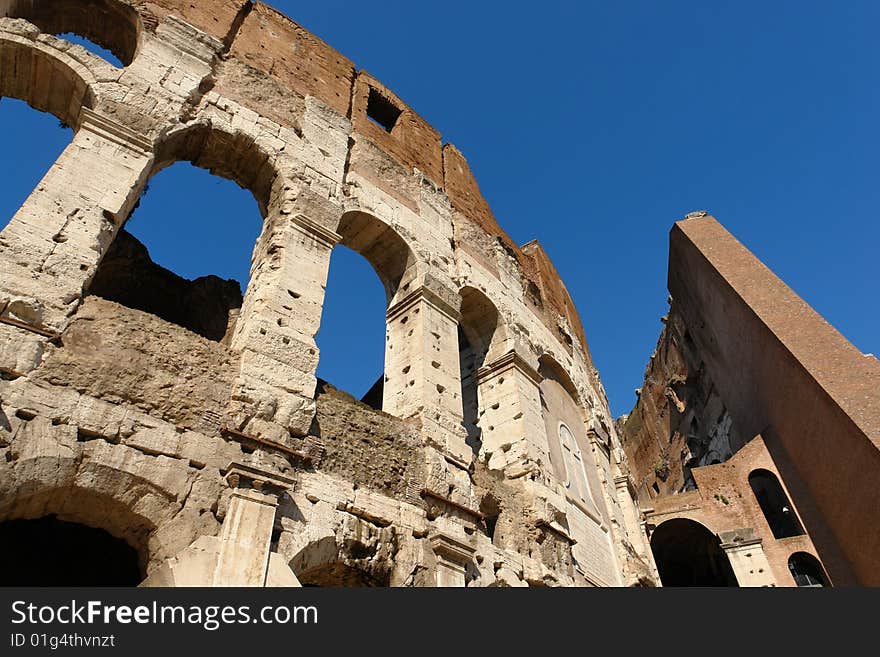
382, 111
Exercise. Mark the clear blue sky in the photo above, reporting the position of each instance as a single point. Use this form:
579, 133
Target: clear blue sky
591, 126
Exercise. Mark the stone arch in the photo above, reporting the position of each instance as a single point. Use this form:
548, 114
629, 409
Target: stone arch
390, 255
93, 493
393, 261
775, 505
209, 305
689, 554
114, 25
70, 84
807, 570
481, 338
323, 562
482, 324
232, 154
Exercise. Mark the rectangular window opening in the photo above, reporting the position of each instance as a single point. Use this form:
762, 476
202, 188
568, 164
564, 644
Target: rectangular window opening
382, 111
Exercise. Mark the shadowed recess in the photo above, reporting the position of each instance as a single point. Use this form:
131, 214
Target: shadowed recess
52, 552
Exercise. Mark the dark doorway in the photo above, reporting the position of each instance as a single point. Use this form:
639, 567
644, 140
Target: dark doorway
688, 554
52, 552
774, 503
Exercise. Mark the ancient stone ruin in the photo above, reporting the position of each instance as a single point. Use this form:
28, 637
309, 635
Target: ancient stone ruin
157, 431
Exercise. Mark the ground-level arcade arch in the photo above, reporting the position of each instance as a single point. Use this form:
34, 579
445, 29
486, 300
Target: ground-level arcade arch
52, 552
688, 554
327, 562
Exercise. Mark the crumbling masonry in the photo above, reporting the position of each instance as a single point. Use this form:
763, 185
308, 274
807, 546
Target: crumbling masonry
185, 421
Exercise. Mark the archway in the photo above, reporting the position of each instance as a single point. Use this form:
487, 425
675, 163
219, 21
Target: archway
352, 333
114, 26
67, 82
807, 571
688, 554
52, 552
185, 253
478, 335
327, 563
350, 319
775, 505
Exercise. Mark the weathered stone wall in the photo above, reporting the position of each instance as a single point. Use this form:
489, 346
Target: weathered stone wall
189, 430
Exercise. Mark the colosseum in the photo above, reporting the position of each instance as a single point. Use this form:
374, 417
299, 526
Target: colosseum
156, 431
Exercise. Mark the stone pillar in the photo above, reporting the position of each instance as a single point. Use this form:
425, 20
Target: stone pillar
452, 559
745, 552
245, 541
422, 370
512, 427
53, 245
276, 329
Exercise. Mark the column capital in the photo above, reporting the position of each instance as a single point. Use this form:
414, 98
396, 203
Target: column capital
451, 549
430, 296
315, 230
245, 477
511, 360
113, 131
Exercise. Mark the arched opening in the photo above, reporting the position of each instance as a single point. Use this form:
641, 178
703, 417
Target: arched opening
352, 337
324, 562
477, 332
53, 552
352, 333
185, 253
807, 571
63, 91
688, 554
41, 137
774, 503
114, 26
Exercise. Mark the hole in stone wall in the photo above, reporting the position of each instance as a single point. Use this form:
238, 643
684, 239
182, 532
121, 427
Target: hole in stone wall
352, 333
382, 111
51, 552
32, 142
490, 508
188, 224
